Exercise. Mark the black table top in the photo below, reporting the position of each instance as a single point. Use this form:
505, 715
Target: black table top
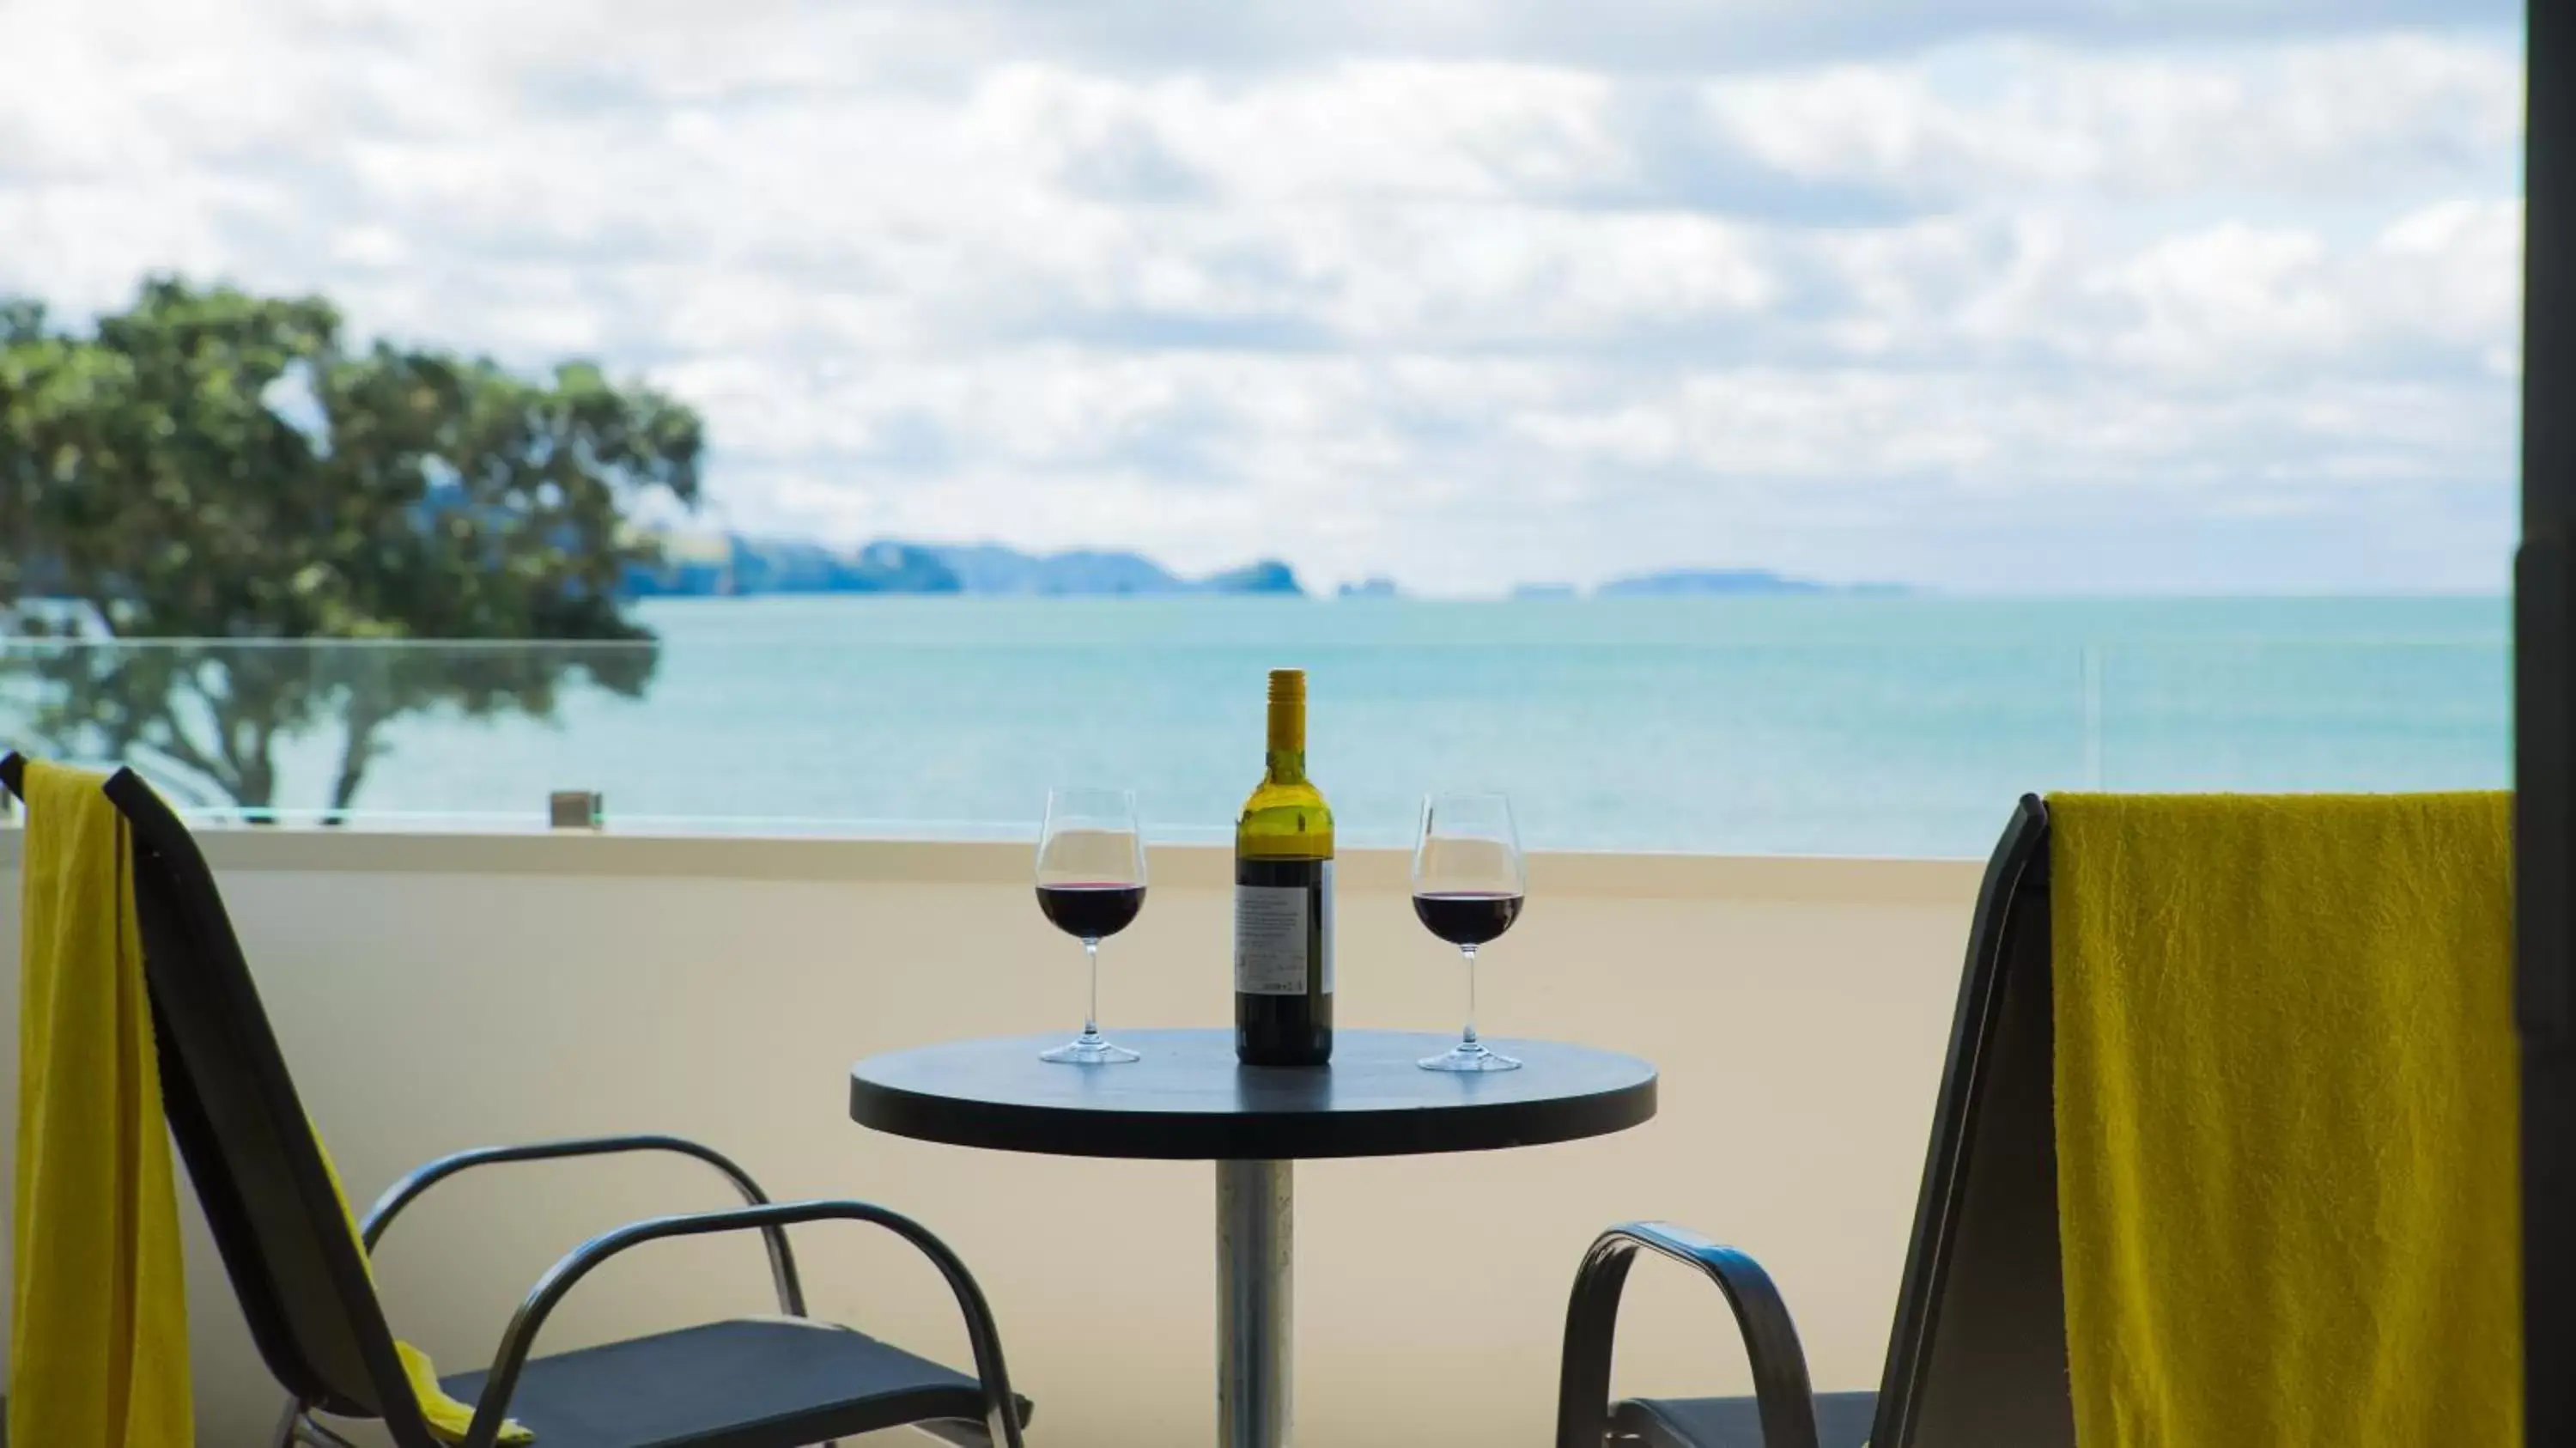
1190, 1100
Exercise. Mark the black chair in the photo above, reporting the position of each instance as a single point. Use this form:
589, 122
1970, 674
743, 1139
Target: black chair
312, 1308
1977, 1358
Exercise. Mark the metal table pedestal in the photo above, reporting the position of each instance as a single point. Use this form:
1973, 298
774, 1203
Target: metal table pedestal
1256, 1319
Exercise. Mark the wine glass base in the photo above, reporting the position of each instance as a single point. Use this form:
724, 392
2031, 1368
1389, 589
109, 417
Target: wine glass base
1088, 1051
1468, 1056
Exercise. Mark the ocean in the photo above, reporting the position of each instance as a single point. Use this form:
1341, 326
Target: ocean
1887, 726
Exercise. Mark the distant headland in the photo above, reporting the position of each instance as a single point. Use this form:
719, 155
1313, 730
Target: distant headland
732, 566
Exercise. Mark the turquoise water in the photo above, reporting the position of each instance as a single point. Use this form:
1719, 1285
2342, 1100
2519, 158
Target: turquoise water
1882, 726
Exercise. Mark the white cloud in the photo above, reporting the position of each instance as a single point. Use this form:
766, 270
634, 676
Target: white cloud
1657, 36
2364, 115
1398, 301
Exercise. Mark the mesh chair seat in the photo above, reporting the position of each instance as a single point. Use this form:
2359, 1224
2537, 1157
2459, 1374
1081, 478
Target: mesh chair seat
749, 1383
1842, 1421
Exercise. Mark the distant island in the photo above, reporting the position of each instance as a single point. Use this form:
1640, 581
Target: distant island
1708, 583
729, 565
1729, 582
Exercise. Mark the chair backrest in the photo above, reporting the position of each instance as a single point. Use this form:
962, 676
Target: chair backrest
275, 1214
1978, 1354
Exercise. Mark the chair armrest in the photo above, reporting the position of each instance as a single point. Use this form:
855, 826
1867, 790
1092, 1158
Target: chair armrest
1001, 1414
782, 1260
1781, 1392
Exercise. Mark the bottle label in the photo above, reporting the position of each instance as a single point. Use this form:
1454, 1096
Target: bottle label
1283, 936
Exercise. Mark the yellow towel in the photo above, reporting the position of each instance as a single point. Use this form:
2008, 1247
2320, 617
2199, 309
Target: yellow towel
2286, 1117
99, 1319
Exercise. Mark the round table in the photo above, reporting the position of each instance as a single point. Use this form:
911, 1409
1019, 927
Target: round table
1190, 1100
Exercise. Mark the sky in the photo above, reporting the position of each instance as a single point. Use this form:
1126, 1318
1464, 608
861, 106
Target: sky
1991, 295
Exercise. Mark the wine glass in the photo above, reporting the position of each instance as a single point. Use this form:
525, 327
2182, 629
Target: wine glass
1468, 883
1091, 883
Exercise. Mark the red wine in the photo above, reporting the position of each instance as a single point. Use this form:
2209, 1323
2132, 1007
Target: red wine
1467, 919
1286, 1019
1091, 912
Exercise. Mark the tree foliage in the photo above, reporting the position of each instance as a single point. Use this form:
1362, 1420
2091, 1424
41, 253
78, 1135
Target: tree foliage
220, 467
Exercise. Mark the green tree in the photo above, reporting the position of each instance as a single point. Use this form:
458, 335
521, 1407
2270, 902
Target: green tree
220, 467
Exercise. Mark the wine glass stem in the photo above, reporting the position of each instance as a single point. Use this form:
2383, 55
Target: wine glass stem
1469, 952
1091, 1011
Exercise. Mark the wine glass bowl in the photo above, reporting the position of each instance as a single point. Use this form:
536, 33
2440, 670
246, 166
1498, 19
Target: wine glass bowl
1469, 881
1090, 885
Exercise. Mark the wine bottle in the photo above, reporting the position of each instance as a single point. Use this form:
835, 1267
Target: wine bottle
1283, 900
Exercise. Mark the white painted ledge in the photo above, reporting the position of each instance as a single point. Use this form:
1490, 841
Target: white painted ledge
1594, 874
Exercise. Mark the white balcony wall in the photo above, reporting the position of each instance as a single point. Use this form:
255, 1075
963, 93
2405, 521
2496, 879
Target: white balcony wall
434, 993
